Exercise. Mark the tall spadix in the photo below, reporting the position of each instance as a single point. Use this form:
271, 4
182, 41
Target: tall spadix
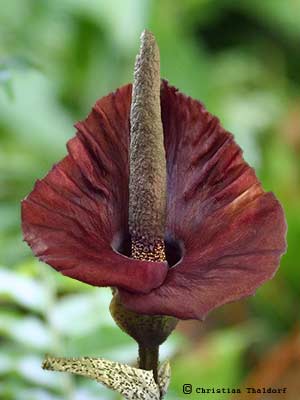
147, 181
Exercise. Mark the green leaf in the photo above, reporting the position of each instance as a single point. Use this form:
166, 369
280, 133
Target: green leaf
29, 331
27, 292
79, 314
29, 367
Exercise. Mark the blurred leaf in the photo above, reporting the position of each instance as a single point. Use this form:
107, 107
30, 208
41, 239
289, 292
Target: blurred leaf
29, 331
77, 315
8, 65
39, 115
5, 75
16, 390
279, 15
30, 368
89, 394
6, 82
17, 62
6, 362
35, 394
25, 291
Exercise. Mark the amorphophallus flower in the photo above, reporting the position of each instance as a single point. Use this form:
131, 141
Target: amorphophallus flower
155, 199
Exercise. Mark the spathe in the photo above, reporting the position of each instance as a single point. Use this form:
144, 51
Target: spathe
231, 233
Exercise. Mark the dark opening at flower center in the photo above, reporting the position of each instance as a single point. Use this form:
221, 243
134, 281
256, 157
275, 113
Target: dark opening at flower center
170, 250
142, 249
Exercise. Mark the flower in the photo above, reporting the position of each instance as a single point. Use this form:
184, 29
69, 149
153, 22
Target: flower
224, 235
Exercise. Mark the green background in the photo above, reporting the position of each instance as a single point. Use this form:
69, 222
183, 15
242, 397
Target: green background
242, 59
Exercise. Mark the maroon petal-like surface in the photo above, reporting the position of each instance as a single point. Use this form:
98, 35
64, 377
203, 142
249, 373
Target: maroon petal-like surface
74, 214
231, 232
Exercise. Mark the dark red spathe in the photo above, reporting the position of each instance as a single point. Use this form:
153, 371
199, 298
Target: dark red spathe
232, 233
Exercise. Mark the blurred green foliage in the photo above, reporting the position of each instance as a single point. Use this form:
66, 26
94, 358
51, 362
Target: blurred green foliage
57, 57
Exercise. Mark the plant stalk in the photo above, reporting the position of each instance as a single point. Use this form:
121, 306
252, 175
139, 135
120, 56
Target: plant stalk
148, 359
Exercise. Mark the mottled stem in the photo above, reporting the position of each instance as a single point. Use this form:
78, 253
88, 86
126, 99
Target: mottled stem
148, 359
131, 382
147, 183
